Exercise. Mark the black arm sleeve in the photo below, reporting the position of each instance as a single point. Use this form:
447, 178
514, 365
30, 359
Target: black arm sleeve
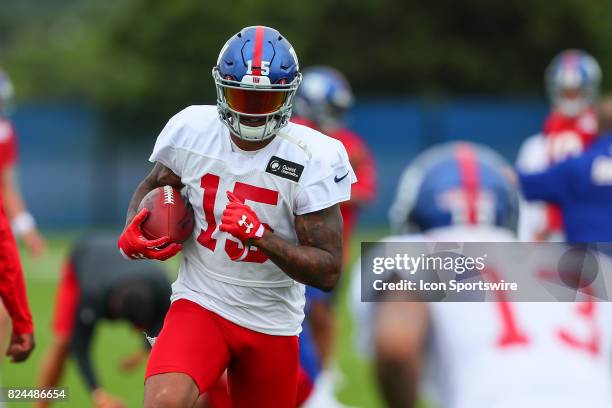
80, 349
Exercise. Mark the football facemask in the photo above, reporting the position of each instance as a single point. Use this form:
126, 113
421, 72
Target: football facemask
573, 79
253, 108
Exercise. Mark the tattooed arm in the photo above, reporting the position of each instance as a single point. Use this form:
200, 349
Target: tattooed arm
317, 261
158, 177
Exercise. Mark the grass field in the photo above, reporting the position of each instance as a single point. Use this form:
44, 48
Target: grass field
115, 341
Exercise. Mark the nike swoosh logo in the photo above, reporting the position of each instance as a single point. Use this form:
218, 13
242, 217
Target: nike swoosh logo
339, 179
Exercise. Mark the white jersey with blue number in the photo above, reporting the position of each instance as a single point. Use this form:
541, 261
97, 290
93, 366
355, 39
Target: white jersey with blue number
300, 171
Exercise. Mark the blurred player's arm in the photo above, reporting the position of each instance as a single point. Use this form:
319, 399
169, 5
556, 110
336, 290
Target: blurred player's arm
158, 177
317, 261
23, 223
400, 333
532, 156
80, 348
13, 295
549, 185
134, 360
52, 366
138, 357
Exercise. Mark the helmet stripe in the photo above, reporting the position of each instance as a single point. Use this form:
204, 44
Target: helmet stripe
571, 60
258, 50
468, 173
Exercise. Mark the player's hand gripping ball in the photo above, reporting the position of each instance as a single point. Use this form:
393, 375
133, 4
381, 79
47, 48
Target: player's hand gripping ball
134, 245
240, 220
163, 221
170, 215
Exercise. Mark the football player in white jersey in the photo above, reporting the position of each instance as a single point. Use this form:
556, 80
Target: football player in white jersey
265, 193
479, 355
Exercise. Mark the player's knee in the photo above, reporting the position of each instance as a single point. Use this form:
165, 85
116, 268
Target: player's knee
171, 390
164, 398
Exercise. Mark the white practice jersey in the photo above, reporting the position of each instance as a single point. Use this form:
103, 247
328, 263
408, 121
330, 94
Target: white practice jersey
521, 354
528, 355
300, 171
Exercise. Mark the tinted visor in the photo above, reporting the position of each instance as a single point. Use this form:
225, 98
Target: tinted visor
254, 102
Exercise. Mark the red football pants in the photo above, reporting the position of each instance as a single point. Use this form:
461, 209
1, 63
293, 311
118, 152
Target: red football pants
218, 396
262, 369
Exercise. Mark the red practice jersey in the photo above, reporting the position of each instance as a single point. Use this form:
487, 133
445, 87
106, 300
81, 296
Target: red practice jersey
567, 137
362, 161
8, 144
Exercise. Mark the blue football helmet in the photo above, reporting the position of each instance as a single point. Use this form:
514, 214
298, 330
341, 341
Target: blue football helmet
572, 80
256, 76
6, 91
457, 183
324, 97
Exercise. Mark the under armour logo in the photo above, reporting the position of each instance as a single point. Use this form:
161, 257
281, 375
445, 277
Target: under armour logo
244, 222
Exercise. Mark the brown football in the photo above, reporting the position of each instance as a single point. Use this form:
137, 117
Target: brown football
169, 215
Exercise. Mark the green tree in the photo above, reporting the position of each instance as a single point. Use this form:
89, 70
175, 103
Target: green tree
142, 60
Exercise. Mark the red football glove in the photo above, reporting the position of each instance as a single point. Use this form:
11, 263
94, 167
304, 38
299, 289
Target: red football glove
241, 221
134, 245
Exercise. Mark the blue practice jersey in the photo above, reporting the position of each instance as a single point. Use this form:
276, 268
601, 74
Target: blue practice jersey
582, 188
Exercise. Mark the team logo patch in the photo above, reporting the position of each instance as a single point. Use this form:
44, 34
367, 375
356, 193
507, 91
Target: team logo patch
284, 168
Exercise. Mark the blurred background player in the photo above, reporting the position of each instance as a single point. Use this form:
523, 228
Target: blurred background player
21, 221
14, 306
580, 186
97, 283
572, 80
322, 102
473, 354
